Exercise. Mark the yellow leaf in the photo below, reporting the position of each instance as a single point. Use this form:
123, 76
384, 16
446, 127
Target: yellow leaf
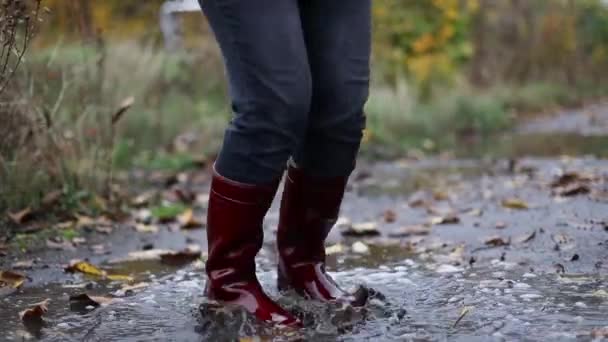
90, 269
12, 279
119, 277
514, 203
188, 221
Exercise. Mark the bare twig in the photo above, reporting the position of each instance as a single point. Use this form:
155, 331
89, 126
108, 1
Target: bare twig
17, 22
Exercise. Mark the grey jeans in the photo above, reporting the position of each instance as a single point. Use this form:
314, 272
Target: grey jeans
298, 72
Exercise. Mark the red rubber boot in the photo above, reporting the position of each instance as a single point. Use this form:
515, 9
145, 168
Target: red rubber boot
235, 235
309, 209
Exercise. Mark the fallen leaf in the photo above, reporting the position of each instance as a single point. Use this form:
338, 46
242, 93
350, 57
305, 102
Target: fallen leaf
450, 219
62, 245
463, 313
79, 240
181, 258
600, 293
497, 242
11, 279
91, 222
21, 216
574, 190
90, 269
187, 220
418, 199
599, 333
440, 196
390, 216
527, 238
144, 198
361, 229
335, 249
514, 203
125, 289
360, 248
82, 301
410, 231
104, 230
475, 212
23, 265
185, 195
51, 198
35, 312
569, 178
124, 106
146, 228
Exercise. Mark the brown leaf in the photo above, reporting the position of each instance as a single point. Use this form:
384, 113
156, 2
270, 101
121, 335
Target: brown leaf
143, 199
81, 301
185, 195
361, 229
410, 231
132, 288
51, 198
497, 242
390, 216
35, 312
104, 230
187, 220
598, 333
61, 245
569, 178
124, 106
184, 257
527, 238
449, 219
23, 265
11, 279
440, 196
514, 203
501, 225
418, 199
463, 313
574, 190
21, 216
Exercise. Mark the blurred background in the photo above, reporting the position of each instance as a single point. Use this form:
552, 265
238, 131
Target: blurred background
449, 76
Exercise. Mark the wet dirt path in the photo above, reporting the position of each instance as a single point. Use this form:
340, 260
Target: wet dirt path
460, 249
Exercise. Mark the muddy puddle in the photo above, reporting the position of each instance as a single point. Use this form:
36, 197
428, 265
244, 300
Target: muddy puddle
422, 300
490, 246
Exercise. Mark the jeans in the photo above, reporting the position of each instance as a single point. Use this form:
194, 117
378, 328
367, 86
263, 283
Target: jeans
298, 73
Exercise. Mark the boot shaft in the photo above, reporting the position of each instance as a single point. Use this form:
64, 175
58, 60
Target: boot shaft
235, 234
309, 210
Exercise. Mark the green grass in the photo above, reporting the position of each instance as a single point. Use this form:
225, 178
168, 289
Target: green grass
398, 120
58, 133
